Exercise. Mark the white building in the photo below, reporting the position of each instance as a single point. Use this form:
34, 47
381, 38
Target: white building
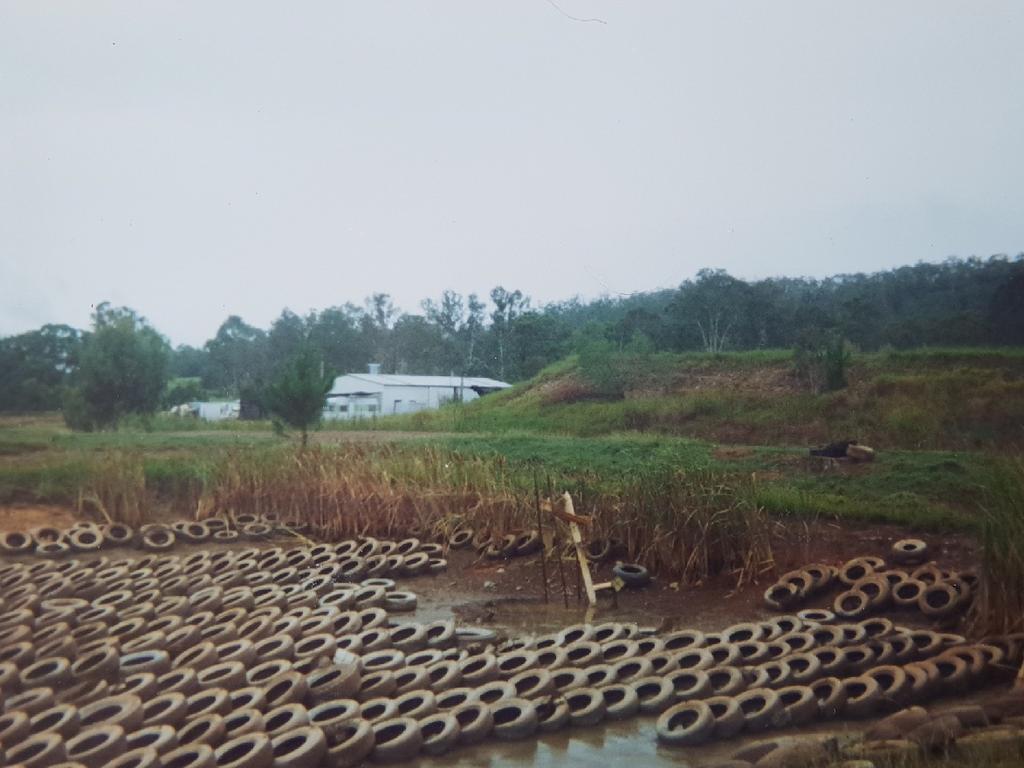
360, 395
210, 411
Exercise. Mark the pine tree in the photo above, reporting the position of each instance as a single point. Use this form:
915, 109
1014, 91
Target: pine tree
297, 396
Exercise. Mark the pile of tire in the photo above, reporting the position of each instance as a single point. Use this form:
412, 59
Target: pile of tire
519, 543
268, 656
866, 586
356, 558
83, 537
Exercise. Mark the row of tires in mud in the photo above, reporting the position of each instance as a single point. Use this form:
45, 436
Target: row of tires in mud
366, 557
868, 586
263, 657
155, 537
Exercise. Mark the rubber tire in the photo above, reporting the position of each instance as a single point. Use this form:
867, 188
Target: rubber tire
799, 705
299, 747
476, 721
758, 718
396, 740
633, 575
42, 749
927, 601
510, 726
251, 750
587, 706
84, 749
440, 733
686, 724
190, 756
351, 743
728, 716
863, 697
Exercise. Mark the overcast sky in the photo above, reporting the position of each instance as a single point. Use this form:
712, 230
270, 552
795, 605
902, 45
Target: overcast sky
198, 159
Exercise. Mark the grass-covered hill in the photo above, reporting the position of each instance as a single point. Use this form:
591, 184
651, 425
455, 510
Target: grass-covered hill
923, 399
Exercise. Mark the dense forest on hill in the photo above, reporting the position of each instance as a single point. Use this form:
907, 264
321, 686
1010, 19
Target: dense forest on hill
960, 302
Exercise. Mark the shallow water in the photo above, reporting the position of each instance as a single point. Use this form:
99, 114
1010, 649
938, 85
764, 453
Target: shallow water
610, 743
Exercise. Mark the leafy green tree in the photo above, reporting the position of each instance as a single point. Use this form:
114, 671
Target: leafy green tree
237, 356
336, 333
185, 390
34, 367
297, 396
123, 370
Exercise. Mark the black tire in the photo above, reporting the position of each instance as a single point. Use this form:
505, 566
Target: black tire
633, 575
527, 544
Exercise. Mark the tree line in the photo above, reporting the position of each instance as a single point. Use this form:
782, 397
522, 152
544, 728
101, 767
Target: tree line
504, 335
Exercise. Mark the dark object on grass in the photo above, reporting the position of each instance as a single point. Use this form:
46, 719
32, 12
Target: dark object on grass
833, 450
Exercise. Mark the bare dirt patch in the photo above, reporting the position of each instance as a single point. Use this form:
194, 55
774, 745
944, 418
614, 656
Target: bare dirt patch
23, 517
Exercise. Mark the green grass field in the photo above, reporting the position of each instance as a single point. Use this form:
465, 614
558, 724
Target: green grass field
42, 462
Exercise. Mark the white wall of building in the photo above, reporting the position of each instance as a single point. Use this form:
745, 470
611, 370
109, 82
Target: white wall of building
365, 395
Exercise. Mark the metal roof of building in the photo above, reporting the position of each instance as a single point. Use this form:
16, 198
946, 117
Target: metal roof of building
395, 380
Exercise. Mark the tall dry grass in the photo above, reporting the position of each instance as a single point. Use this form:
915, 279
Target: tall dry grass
683, 526
999, 605
115, 487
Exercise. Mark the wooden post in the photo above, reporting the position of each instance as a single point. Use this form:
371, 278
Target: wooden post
577, 540
540, 533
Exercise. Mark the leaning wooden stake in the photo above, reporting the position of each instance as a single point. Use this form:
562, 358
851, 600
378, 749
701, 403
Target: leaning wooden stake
577, 540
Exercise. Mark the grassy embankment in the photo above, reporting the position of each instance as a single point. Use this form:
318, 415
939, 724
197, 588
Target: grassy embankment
939, 399
716, 448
